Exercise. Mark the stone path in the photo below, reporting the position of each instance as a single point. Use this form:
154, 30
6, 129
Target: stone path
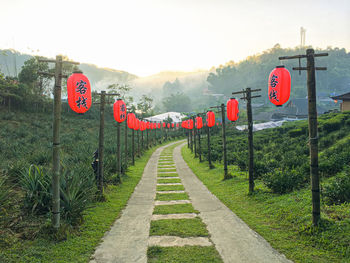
129, 238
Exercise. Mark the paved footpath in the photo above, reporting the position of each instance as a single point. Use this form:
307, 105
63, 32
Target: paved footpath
128, 239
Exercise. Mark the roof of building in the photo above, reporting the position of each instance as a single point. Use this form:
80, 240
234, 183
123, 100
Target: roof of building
345, 96
175, 116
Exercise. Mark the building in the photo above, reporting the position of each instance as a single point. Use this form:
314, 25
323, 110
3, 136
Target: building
345, 105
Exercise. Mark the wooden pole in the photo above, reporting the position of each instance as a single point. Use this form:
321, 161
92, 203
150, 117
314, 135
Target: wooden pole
313, 137
199, 146
56, 144
191, 139
209, 155
101, 141
142, 141
126, 145
194, 136
133, 146
250, 141
118, 152
138, 143
188, 138
226, 176
147, 141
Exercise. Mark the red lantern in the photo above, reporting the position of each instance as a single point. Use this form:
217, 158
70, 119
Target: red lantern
143, 126
168, 125
159, 125
217, 124
173, 125
79, 92
190, 124
119, 110
164, 124
279, 85
177, 125
131, 120
199, 122
232, 109
136, 124
210, 119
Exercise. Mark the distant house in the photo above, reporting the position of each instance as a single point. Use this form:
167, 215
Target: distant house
296, 109
345, 105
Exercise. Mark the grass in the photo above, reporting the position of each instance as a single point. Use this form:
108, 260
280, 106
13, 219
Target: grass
174, 209
168, 197
160, 170
97, 220
168, 180
167, 175
186, 254
283, 220
179, 227
170, 187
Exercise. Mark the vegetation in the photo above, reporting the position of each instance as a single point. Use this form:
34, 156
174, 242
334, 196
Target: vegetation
187, 254
179, 227
170, 187
78, 245
284, 220
176, 196
174, 209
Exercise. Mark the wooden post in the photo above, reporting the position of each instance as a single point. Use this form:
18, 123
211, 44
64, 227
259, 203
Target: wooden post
101, 142
226, 176
199, 146
126, 145
209, 155
56, 135
133, 146
138, 143
56, 144
313, 135
118, 153
250, 141
142, 141
188, 138
155, 135
194, 136
147, 141
191, 139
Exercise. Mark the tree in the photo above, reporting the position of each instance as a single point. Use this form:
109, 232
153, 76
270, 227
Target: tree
123, 90
145, 105
178, 102
37, 84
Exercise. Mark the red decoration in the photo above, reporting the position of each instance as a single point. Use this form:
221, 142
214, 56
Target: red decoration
136, 124
279, 86
173, 125
177, 125
168, 125
119, 110
131, 120
79, 92
232, 109
143, 125
159, 125
164, 124
199, 122
210, 119
190, 124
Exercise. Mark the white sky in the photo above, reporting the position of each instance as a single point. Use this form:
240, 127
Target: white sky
144, 37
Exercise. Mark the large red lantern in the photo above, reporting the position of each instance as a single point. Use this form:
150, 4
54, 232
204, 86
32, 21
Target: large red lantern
164, 124
168, 125
159, 125
173, 125
199, 122
232, 109
79, 92
119, 110
279, 85
177, 125
143, 125
131, 120
210, 119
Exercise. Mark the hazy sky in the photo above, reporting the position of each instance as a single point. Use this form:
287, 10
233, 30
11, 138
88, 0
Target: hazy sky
147, 36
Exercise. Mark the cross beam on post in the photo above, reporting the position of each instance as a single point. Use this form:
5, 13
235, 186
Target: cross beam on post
247, 93
56, 134
102, 103
313, 135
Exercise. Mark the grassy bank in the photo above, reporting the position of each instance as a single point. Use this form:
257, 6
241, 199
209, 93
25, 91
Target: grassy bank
97, 220
283, 220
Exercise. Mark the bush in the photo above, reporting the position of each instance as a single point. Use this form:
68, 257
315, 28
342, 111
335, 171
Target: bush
338, 190
282, 182
36, 186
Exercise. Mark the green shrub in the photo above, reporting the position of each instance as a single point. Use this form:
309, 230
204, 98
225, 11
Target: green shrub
5, 192
36, 186
337, 191
77, 190
296, 132
284, 181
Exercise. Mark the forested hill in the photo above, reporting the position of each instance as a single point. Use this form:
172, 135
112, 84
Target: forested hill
11, 62
254, 71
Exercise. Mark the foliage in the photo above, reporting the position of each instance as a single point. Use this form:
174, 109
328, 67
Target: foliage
145, 105
337, 191
178, 102
36, 185
5, 193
